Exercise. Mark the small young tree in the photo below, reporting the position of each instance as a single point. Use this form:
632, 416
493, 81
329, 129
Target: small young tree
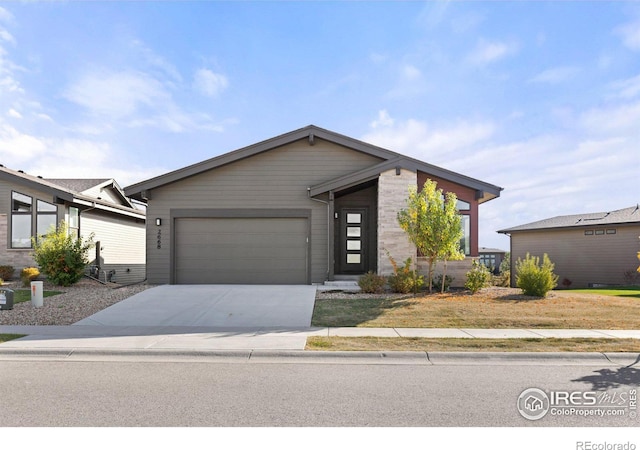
433, 224
61, 257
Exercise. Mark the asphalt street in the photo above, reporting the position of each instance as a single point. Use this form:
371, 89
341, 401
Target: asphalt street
229, 392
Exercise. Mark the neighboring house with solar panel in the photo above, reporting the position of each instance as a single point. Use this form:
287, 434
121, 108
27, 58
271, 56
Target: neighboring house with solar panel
30, 205
587, 249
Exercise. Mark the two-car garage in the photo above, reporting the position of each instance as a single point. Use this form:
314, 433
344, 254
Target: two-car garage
252, 249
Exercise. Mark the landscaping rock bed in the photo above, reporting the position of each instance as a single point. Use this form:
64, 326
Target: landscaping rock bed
75, 303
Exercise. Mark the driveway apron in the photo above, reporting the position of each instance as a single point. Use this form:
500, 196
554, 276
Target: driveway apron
216, 306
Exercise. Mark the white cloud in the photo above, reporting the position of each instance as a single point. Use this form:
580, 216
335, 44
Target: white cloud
411, 72
626, 89
155, 61
378, 58
116, 94
7, 37
630, 34
17, 147
6, 16
555, 75
613, 119
425, 141
490, 52
209, 83
13, 113
384, 120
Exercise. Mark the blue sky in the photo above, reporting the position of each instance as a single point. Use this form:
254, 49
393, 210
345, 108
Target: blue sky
540, 98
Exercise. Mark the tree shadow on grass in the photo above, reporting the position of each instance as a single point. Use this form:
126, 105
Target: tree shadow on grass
353, 312
517, 298
613, 379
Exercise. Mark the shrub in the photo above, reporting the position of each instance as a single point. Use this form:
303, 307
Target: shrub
437, 282
372, 283
478, 277
533, 278
29, 274
505, 265
502, 280
61, 257
404, 280
6, 272
567, 283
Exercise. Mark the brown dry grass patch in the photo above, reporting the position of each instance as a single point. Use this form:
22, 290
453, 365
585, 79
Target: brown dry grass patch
490, 308
475, 345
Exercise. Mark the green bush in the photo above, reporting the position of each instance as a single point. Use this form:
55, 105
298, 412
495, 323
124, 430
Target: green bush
533, 278
503, 279
437, 282
404, 280
478, 277
6, 272
372, 283
28, 274
61, 257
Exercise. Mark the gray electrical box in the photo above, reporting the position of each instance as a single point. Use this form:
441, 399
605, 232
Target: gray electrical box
6, 298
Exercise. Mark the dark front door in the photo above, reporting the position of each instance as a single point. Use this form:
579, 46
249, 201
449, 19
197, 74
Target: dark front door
352, 248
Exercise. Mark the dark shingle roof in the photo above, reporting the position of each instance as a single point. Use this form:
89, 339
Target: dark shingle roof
620, 216
77, 184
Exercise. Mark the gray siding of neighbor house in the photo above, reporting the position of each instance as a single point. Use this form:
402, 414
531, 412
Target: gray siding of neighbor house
276, 179
583, 259
122, 245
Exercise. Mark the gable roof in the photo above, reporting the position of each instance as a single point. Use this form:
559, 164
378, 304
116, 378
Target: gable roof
391, 159
85, 185
78, 184
62, 192
621, 216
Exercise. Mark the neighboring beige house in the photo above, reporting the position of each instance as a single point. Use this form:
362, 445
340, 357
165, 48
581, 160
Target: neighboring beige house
30, 205
587, 249
305, 207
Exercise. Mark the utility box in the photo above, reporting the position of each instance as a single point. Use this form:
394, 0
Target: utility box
37, 294
6, 298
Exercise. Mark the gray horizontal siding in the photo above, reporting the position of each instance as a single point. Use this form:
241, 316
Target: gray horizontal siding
122, 242
277, 179
582, 259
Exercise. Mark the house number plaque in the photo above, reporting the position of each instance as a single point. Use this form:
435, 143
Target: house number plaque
159, 238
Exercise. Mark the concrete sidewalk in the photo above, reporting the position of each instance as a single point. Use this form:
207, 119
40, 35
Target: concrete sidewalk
193, 338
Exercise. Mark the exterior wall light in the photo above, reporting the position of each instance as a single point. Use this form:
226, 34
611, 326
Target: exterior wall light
158, 221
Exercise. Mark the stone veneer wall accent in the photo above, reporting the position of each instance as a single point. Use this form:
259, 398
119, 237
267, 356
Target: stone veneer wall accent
19, 259
456, 269
392, 194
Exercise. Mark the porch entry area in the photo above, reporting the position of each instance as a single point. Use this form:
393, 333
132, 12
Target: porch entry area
355, 230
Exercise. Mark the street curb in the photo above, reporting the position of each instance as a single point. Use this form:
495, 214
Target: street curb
327, 357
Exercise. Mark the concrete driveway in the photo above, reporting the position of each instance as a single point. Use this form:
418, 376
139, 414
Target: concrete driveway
215, 306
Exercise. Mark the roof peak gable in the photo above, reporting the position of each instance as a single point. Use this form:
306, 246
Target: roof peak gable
310, 133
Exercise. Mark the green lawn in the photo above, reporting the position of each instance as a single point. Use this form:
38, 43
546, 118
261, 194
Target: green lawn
24, 295
622, 291
9, 337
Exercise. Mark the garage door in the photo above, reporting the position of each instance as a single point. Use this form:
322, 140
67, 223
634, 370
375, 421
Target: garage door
241, 251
